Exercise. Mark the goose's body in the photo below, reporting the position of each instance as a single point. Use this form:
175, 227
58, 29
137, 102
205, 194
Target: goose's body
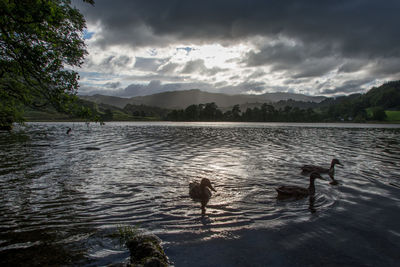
297, 191
198, 193
201, 192
318, 169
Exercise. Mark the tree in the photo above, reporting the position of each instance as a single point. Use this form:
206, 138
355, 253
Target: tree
378, 113
211, 112
40, 41
108, 115
236, 112
192, 113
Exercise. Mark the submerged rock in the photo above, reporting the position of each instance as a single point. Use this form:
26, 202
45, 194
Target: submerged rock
146, 251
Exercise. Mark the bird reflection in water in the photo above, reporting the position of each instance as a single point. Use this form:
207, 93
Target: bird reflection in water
311, 202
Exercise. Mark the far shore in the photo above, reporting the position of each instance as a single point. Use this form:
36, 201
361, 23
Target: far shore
158, 120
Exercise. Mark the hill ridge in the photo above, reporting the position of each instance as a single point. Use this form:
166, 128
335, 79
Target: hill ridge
185, 98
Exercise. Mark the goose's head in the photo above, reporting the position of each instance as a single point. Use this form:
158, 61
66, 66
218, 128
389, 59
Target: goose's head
336, 161
206, 183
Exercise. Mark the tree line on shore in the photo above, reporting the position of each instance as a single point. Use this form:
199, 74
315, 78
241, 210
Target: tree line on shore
371, 106
265, 113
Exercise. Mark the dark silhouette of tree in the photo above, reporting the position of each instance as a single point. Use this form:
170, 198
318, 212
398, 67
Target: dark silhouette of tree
345, 108
108, 115
236, 113
378, 113
37, 40
192, 113
211, 112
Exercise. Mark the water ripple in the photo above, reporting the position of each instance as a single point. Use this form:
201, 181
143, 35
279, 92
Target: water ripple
101, 177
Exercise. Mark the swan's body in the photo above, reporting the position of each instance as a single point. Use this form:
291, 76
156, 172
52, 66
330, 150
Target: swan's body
201, 192
297, 191
318, 169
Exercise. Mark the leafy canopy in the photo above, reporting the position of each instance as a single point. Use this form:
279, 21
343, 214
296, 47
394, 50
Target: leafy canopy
40, 41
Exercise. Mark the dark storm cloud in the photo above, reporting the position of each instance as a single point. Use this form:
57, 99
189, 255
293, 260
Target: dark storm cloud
295, 41
243, 87
351, 86
194, 66
110, 62
362, 28
141, 89
168, 68
276, 54
256, 74
386, 66
198, 66
314, 68
148, 64
112, 85
298, 59
352, 66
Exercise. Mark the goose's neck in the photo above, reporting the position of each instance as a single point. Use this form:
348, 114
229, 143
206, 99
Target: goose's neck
331, 171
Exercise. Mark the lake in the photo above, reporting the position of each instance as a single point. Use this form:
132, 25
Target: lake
63, 196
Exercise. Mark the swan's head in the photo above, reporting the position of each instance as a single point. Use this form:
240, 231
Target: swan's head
205, 182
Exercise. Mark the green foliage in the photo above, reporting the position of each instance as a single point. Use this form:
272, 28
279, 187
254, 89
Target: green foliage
143, 111
101, 111
202, 112
267, 113
386, 96
126, 233
378, 113
39, 41
392, 115
358, 107
355, 108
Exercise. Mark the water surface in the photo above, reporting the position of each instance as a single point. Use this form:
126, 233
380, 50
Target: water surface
63, 195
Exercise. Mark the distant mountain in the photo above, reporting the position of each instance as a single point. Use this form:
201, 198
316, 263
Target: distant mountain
183, 99
276, 97
386, 96
109, 100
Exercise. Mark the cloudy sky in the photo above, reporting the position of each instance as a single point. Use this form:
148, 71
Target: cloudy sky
312, 47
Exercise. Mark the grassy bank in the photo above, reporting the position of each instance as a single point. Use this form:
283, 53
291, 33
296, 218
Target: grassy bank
393, 116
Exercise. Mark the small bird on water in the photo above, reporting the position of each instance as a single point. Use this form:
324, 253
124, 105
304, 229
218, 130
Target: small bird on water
330, 171
298, 192
201, 192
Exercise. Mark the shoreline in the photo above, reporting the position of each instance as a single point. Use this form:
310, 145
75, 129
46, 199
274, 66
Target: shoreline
150, 120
